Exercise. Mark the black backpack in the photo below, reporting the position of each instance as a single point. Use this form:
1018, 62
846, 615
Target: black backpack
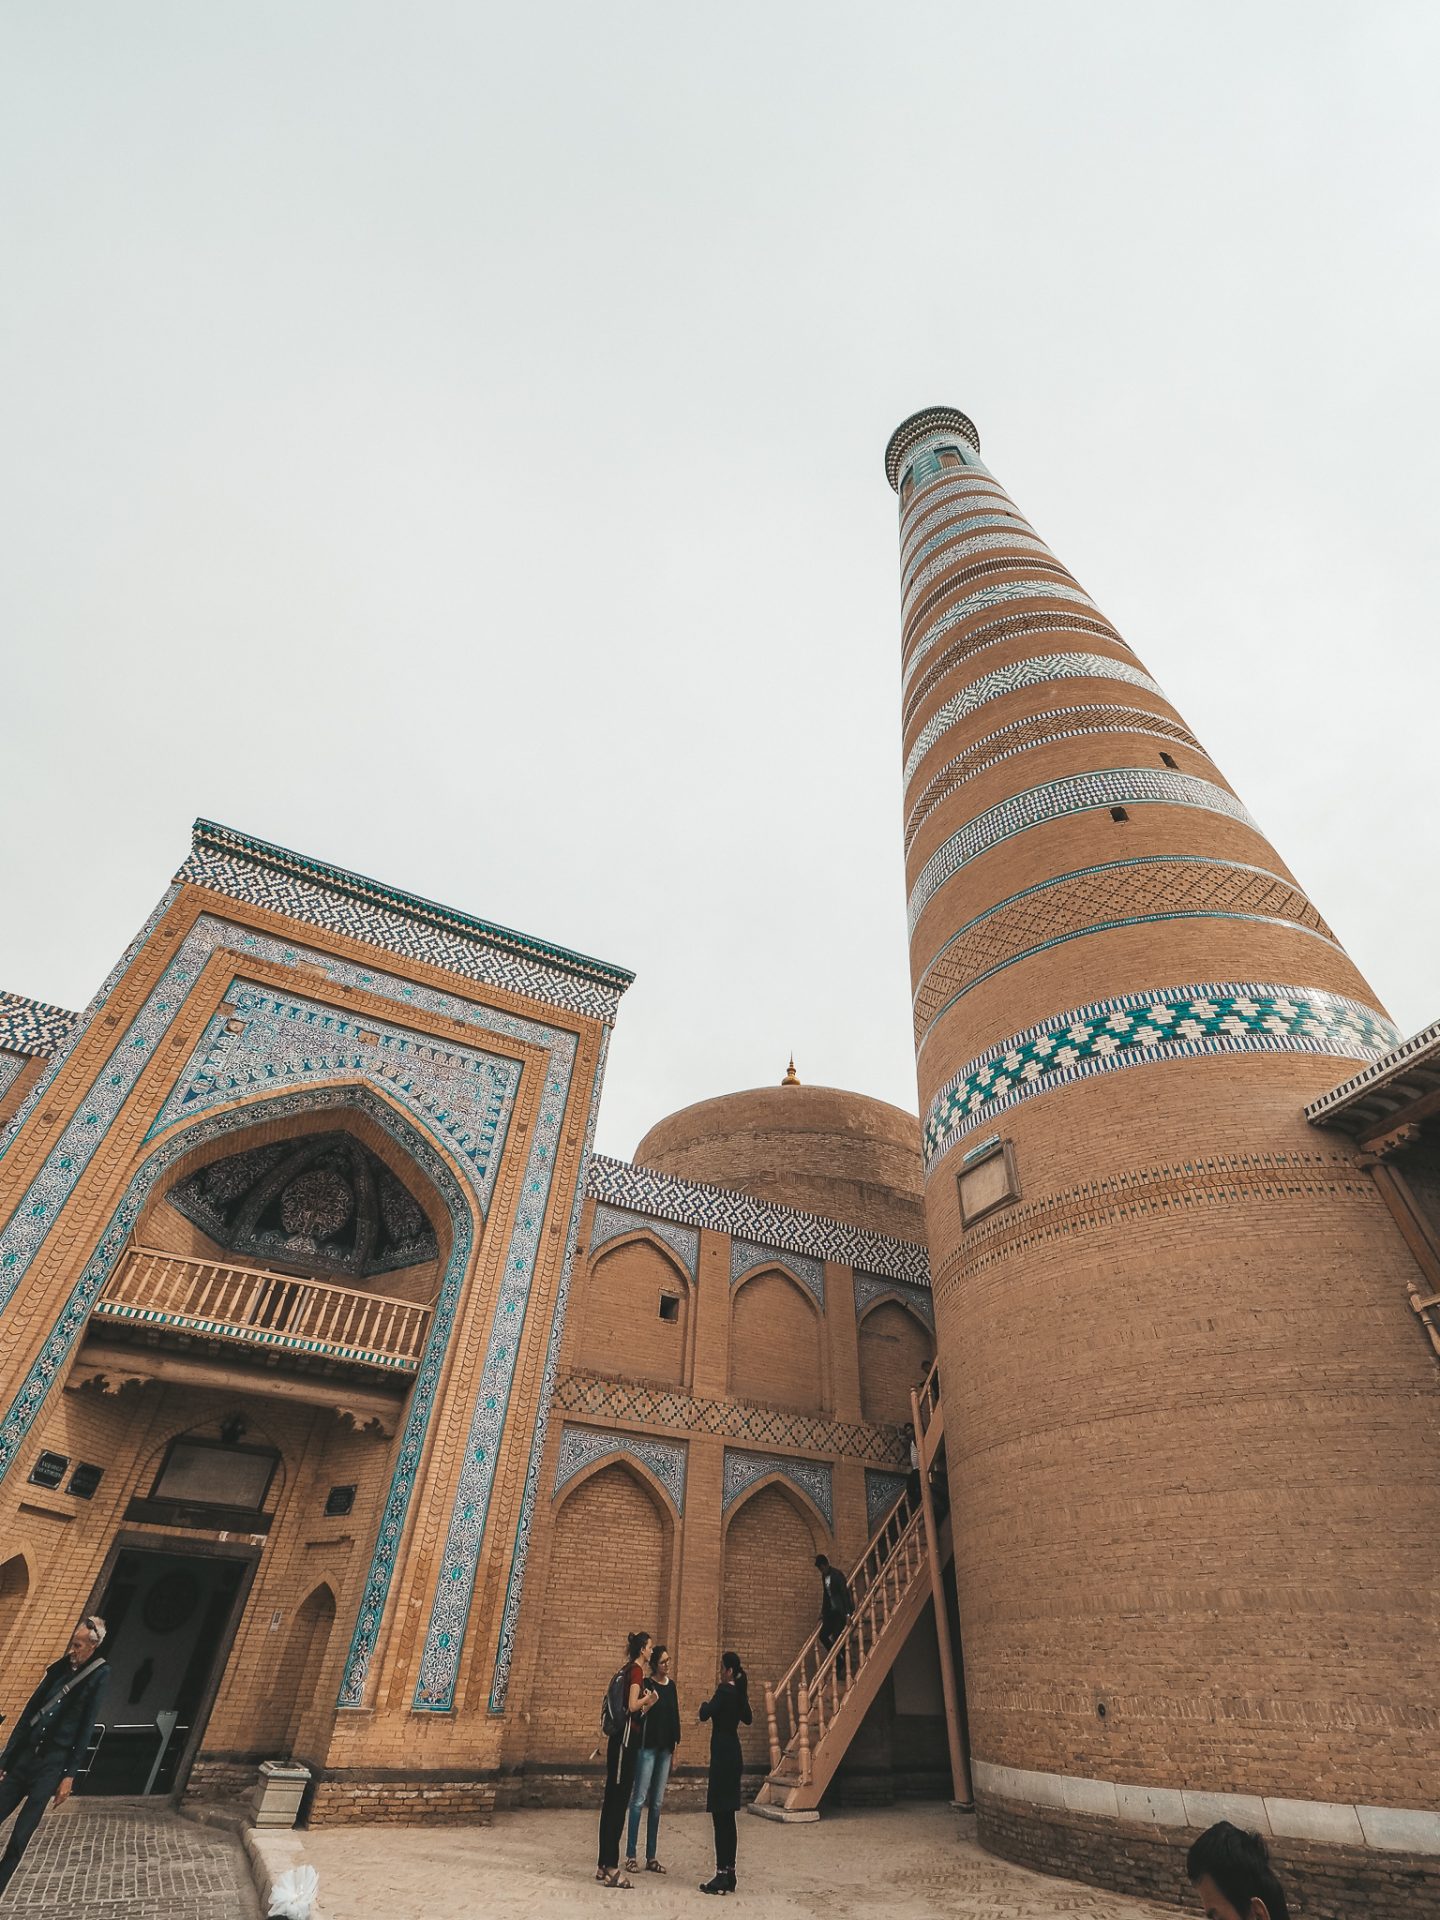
613, 1715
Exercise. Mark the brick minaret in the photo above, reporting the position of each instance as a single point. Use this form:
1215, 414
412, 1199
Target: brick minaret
1187, 1406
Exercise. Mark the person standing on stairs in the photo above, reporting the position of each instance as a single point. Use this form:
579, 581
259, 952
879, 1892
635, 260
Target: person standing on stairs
658, 1742
726, 1710
836, 1607
627, 1701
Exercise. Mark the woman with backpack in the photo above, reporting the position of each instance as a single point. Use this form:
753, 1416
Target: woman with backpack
658, 1741
627, 1701
726, 1709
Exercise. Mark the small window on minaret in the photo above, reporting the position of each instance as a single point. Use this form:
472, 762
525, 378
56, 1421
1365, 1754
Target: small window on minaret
950, 457
669, 1306
1168, 759
1118, 813
907, 486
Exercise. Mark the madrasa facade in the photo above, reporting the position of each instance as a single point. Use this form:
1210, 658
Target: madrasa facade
372, 1406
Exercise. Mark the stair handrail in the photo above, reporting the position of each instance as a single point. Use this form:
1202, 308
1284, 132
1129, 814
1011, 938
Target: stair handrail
857, 1576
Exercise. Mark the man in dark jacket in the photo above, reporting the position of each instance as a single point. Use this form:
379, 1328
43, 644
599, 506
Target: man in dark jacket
50, 1738
836, 1607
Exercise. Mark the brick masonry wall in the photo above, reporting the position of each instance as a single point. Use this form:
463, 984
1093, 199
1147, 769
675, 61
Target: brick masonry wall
622, 1332
1320, 1882
895, 1352
772, 1597
775, 1345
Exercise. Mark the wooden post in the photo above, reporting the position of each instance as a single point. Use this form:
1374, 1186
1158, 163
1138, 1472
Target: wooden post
804, 1736
771, 1727
959, 1759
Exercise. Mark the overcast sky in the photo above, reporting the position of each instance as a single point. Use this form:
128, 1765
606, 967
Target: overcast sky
447, 439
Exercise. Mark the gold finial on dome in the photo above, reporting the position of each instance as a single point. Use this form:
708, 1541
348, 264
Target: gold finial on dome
792, 1079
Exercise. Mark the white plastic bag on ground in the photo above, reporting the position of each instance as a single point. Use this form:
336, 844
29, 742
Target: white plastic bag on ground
293, 1894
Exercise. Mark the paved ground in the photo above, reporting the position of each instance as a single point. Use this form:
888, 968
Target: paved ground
114, 1860
904, 1864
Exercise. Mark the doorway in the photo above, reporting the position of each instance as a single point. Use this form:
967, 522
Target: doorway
171, 1618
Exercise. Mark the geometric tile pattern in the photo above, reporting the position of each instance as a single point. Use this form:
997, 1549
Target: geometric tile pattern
1055, 800
594, 1397
813, 1478
1033, 672
669, 1196
918, 517
959, 541
870, 1287
530, 1492
974, 603
1119, 893
12, 1065
580, 1447
611, 1222
1137, 1029
32, 1026
263, 875
745, 1255
1003, 630
882, 1490
1419, 1051
1038, 729
947, 564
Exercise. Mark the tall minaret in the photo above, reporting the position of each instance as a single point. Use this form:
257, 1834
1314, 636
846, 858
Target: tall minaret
1191, 1430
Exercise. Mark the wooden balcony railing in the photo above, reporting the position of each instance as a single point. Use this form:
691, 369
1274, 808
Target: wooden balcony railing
259, 1309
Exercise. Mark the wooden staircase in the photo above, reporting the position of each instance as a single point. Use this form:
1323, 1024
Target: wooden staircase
815, 1711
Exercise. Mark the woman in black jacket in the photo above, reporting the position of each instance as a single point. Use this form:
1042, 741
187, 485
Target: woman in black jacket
726, 1709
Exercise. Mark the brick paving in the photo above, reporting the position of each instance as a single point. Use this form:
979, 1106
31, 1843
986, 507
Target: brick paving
116, 1860
906, 1863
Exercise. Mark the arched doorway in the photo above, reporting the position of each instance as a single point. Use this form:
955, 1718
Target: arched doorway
14, 1586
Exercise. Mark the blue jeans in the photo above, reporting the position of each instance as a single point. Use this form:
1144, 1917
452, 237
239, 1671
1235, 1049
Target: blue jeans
652, 1776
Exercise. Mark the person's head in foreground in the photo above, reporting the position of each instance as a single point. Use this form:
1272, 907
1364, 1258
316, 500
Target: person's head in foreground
1231, 1872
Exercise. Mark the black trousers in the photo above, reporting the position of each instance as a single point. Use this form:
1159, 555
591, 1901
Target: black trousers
724, 1825
619, 1780
36, 1791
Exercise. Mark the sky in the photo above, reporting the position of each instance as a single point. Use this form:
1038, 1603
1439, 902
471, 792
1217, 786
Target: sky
447, 439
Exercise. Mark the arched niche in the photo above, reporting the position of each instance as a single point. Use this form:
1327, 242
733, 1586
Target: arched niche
895, 1350
778, 1351
770, 1590
611, 1561
639, 1313
14, 1591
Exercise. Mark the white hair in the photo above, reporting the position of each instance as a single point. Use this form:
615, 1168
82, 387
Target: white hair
96, 1626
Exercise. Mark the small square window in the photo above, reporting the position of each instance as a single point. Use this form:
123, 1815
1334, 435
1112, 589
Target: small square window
669, 1306
1118, 813
1168, 759
340, 1500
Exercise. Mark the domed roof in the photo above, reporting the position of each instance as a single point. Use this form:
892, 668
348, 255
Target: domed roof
840, 1154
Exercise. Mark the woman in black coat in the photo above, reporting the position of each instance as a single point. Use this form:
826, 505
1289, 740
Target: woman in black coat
726, 1709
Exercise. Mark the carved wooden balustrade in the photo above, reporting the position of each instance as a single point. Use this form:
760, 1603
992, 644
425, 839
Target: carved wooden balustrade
253, 1307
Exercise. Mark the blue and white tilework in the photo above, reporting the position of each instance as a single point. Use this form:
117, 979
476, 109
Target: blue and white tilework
958, 541
669, 1196
32, 1026
264, 876
870, 1287
747, 1255
982, 599
812, 1477
23, 1233
580, 1447
954, 556
1169, 1023
1054, 800
12, 1065
684, 1242
530, 1493
882, 1490
1014, 679
946, 502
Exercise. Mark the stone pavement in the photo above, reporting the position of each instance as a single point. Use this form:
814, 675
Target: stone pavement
904, 1863
127, 1860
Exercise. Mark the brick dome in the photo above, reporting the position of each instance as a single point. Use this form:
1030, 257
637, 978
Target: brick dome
831, 1152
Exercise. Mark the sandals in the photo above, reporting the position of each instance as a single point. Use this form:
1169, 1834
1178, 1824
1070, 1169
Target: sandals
653, 1866
613, 1877
632, 1865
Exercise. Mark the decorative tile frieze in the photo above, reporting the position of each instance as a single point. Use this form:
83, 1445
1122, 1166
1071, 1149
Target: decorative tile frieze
520, 1549
978, 602
669, 1196
961, 542
1055, 800
594, 1396
882, 1490
870, 1287
1119, 893
612, 1222
581, 1447
318, 895
813, 1479
1138, 1029
747, 1255
1360, 1100
1034, 672
955, 499
1039, 730
33, 1026
929, 596
12, 1065
1049, 624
